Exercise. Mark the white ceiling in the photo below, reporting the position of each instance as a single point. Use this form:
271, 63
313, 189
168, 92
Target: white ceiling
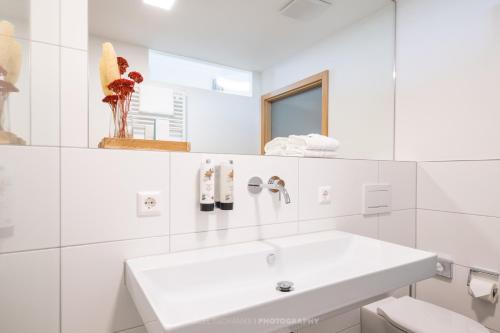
248, 34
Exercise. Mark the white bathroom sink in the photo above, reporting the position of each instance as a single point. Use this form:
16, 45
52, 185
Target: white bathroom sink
233, 288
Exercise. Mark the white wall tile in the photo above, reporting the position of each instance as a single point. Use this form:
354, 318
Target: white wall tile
346, 178
198, 240
94, 296
469, 186
74, 98
285, 330
263, 208
402, 177
140, 329
99, 193
460, 188
454, 295
44, 20
74, 23
404, 291
356, 224
470, 240
398, 227
354, 329
447, 92
44, 94
29, 198
335, 324
30, 292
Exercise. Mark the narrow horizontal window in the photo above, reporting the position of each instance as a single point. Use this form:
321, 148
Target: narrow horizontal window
198, 74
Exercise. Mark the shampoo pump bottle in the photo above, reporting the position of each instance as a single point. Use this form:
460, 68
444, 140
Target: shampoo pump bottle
207, 188
226, 185
217, 186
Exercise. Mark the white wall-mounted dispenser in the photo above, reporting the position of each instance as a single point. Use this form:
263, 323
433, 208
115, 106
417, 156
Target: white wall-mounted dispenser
482, 284
207, 186
225, 185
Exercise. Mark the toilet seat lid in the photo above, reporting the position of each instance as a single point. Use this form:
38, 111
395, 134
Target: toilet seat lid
415, 316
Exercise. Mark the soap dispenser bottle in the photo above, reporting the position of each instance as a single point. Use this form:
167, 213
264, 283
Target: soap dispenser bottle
217, 186
207, 188
226, 185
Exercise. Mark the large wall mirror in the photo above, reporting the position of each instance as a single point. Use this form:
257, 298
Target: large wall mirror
213, 73
208, 67
15, 112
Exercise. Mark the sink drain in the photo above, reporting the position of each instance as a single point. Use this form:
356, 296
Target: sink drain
284, 286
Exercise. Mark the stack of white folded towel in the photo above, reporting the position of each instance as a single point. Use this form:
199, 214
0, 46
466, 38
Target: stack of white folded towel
311, 145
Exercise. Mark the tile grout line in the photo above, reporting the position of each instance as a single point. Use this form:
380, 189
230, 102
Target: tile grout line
31, 92
169, 202
170, 235
395, 79
413, 287
415, 237
458, 160
40, 41
263, 156
298, 197
458, 213
60, 173
130, 328
378, 214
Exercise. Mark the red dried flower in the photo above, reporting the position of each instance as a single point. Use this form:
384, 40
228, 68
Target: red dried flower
136, 76
3, 71
7, 87
122, 64
122, 86
111, 99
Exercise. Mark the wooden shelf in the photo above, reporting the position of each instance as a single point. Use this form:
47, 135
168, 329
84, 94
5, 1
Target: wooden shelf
139, 144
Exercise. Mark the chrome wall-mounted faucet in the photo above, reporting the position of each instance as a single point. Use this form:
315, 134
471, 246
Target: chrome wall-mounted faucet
275, 184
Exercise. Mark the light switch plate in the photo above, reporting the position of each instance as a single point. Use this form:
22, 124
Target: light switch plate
148, 204
377, 198
324, 195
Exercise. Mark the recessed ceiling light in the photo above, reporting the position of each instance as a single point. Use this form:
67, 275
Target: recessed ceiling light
163, 4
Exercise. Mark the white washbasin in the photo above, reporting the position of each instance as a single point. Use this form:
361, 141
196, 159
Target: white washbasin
233, 288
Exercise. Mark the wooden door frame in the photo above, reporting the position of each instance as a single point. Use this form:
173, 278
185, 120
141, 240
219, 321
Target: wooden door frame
314, 81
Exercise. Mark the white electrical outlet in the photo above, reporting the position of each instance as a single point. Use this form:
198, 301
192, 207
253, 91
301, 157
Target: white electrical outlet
148, 204
324, 195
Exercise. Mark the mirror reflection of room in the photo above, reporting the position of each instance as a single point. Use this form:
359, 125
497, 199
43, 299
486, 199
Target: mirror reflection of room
206, 88
15, 117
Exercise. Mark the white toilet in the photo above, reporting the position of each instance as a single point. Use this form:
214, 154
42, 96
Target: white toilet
406, 314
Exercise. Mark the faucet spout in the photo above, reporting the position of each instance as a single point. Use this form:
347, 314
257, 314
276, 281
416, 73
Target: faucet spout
285, 194
276, 184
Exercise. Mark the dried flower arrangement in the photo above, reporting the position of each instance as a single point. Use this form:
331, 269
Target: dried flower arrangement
10, 67
117, 89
